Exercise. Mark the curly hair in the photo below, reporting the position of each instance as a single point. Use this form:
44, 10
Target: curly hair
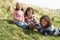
47, 18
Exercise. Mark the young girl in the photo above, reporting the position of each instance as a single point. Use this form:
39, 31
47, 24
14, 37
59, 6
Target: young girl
19, 16
46, 27
30, 18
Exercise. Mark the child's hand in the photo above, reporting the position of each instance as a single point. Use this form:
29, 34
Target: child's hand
33, 24
29, 23
26, 18
20, 20
35, 21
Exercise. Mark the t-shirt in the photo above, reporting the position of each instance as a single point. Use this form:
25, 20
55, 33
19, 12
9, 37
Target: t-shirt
30, 18
18, 16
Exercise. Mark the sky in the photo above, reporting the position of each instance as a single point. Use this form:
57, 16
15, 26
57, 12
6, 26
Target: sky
53, 4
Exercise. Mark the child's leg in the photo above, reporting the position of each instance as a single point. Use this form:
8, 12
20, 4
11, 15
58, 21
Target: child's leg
22, 24
37, 25
57, 31
31, 26
46, 32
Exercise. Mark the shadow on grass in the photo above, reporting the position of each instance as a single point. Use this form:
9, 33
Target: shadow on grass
31, 33
8, 21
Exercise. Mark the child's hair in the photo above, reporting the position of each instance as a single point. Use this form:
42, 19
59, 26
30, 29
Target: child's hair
29, 8
17, 8
47, 18
22, 9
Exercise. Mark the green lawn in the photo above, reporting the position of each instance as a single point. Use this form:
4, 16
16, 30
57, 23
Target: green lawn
10, 31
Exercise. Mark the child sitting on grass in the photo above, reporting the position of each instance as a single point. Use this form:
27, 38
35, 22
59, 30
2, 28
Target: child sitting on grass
19, 16
46, 27
30, 18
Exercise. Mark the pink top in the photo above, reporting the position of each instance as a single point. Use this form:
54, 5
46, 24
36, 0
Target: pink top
18, 16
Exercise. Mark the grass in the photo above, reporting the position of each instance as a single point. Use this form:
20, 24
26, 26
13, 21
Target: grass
10, 31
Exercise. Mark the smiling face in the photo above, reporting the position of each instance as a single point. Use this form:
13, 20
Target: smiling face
44, 22
29, 12
18, 6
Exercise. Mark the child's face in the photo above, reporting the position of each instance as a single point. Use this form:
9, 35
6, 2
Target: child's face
18, 6
29, 12
44, 22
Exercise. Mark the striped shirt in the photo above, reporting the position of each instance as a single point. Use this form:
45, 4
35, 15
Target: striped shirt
30, 18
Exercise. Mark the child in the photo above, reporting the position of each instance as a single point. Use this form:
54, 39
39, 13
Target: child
46, 27
19, 16
30, 18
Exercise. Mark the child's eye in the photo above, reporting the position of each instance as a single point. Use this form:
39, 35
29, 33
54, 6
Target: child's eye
30, 12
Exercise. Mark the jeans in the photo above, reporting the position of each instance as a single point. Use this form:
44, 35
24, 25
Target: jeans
21, 24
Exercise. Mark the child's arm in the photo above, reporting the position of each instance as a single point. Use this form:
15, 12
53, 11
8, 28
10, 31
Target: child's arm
23, 17
38, 27
15, 16
34, 18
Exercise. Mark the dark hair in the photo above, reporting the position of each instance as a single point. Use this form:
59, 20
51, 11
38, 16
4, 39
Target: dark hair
22, 9
29, 8
47, 18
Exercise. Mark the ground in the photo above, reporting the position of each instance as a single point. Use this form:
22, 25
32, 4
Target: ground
10, 31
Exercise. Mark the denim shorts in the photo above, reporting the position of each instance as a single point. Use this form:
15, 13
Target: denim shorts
21, 24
